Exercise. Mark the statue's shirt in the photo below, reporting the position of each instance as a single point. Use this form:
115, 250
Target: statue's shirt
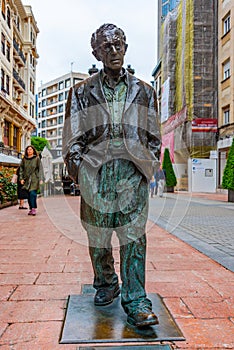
115, 94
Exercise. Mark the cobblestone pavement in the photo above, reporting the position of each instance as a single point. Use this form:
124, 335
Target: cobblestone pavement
207, 225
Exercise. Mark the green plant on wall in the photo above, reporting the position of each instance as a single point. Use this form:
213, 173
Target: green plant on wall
167, 166
8, 190
228, 174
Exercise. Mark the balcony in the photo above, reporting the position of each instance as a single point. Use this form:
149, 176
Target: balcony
19, 53
19, 80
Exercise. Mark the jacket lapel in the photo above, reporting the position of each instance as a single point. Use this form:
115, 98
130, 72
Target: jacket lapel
133, 89
97, 92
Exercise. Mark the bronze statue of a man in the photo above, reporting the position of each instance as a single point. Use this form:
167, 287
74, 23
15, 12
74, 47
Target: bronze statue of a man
111, 145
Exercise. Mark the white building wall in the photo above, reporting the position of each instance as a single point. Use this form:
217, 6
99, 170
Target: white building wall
52, 97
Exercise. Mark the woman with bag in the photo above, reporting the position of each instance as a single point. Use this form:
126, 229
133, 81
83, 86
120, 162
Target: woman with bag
31, 176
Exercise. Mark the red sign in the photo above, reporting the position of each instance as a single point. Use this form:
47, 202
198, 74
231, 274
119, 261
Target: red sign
204, 125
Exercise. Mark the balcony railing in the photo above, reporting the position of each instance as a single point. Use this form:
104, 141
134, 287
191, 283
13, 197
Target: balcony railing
17, 77
10, 152
20, 53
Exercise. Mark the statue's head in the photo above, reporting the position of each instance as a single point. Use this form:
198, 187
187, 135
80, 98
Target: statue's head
109, 46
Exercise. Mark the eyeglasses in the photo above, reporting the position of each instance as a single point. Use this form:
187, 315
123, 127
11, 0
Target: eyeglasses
108, 46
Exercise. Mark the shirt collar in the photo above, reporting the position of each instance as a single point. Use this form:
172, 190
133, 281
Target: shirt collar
105, 78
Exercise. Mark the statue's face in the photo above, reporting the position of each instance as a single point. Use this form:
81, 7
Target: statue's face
111, 49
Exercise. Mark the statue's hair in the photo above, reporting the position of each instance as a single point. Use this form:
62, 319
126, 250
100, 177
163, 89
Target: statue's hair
99, 32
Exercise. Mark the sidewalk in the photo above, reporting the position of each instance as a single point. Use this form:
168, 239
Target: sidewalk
219, 195
40, 266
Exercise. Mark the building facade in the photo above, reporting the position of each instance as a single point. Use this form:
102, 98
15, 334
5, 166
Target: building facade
225, 82
52, 97
188, 56
167, 6
18, 60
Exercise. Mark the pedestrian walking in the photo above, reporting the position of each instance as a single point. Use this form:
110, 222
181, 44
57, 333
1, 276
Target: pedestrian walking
161, 180
152, 186
31, 176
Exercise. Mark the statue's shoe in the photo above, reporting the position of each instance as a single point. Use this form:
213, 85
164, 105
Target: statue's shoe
142, 318
105, 296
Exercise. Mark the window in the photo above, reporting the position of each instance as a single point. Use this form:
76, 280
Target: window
61, 97
76, 80
43, 103
8, 17
67, 83
2, 80
43, 92
15, 134
31, 109
6, 132
66, 94
8, 52
7, 84
226, 24
43, 124
60, 108
32, 37
32, 86
43, 113
226, 70
226, 115
61, 85
3, 44
17, 22
4, 9
60, 119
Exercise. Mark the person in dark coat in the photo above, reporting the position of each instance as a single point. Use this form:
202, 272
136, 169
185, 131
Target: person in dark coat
31, 176
111, 146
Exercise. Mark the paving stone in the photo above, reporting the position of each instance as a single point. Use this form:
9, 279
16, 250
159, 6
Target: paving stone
34, 336
187, 288
207, 334
3, 327
32, 311
6, 291
207, 307
59, 278
178, 308
172, 276
31, 267
45, 292
225, 290
18, 278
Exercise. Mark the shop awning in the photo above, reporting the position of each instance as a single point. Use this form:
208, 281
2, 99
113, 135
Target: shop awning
9, 160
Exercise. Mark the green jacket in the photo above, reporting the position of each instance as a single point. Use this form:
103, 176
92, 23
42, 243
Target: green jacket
31, 172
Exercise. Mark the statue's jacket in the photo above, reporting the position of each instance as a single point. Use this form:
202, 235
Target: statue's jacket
87, 129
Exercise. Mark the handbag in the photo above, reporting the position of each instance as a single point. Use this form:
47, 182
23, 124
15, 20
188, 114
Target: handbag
14, 179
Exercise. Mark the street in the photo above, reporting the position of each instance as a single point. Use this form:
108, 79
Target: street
207, 225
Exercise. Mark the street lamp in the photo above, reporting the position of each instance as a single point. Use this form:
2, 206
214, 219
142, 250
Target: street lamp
93, 69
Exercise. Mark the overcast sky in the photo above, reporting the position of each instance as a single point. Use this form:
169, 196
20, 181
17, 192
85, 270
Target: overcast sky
66, 28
